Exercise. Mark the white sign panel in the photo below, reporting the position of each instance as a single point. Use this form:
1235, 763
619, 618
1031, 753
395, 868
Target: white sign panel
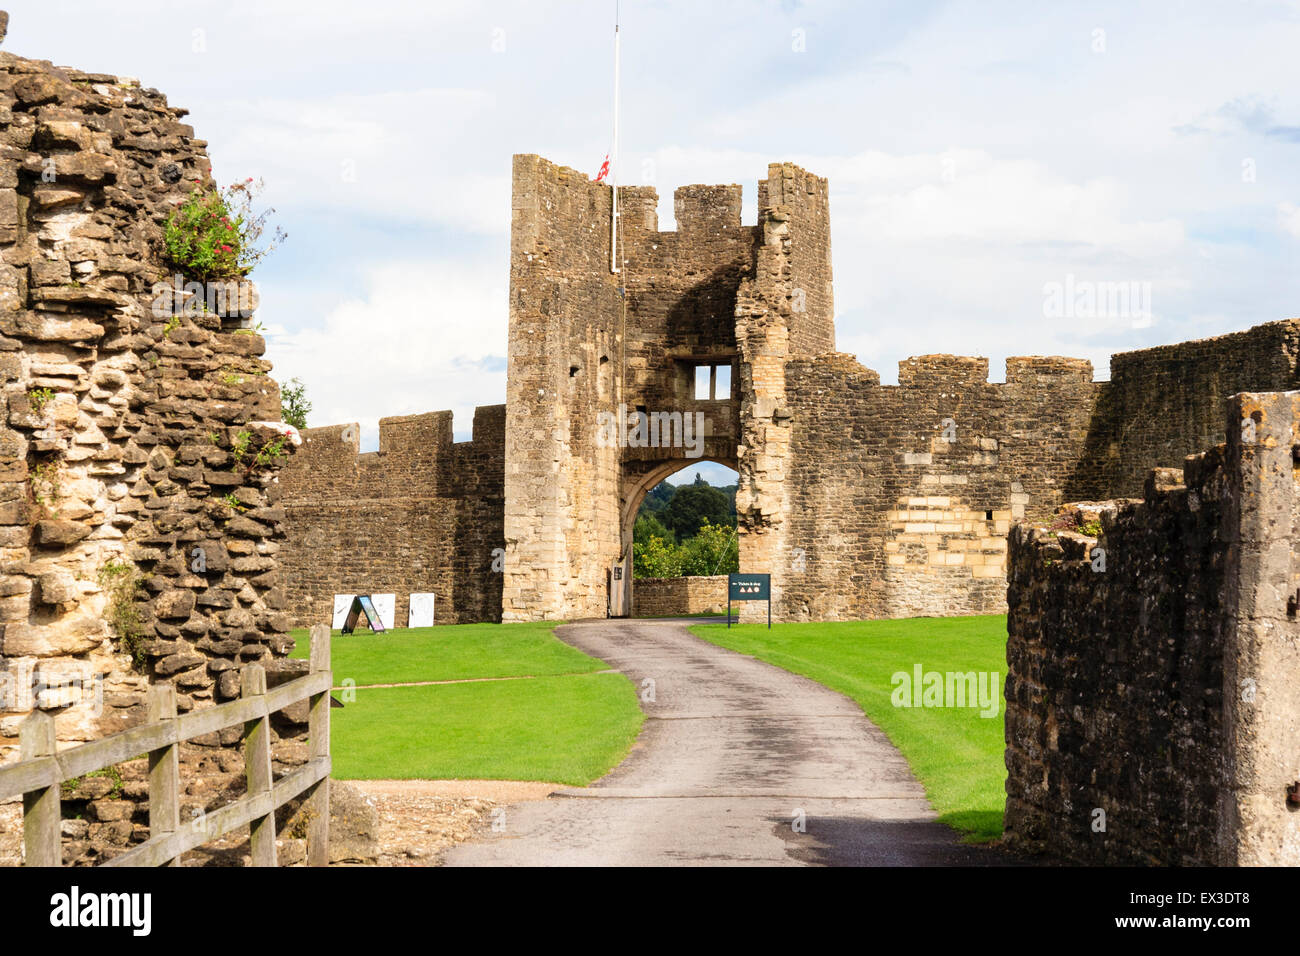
386, 605
421, 609
342, 604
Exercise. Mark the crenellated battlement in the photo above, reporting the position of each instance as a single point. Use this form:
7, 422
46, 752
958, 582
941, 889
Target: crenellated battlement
938, 371
417, 457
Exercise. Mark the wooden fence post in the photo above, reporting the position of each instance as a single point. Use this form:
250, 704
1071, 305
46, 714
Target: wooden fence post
164, 768
317, 803
41, 810
257, 762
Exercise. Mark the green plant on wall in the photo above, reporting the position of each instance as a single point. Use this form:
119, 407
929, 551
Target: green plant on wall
112, 773
214, 233
38, 398
46, 486
271, 451
239, 447
125, 585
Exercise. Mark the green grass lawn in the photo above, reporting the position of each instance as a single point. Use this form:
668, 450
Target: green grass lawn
956, 753
450, 652
562, 729
560, 722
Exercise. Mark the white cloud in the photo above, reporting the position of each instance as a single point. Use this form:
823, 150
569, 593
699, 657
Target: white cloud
372, 156
1288, 216
424, 336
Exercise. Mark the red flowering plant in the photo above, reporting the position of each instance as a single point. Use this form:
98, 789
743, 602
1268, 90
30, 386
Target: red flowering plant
214, 234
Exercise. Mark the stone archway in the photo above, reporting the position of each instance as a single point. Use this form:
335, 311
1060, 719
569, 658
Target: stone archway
635, 485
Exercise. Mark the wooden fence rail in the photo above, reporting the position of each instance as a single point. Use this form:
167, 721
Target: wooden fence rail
42, 768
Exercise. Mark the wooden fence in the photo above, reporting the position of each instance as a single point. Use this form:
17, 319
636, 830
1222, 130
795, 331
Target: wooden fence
42, 769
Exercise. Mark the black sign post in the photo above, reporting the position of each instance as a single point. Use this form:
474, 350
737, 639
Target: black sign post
750, 587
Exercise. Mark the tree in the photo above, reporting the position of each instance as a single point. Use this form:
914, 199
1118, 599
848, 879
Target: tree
649, 526
713, 550
692, 506
655, 558
656, 499
294, 407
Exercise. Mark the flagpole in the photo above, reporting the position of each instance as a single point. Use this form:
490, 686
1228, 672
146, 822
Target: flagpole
613, 166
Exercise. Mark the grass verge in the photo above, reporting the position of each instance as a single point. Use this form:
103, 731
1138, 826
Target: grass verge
450, 652
564, 729
559, 722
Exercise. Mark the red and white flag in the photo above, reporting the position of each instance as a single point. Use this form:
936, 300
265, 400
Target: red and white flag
604, 169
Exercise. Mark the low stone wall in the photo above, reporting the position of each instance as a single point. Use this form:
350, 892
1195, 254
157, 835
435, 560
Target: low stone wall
1153, 687
670, 597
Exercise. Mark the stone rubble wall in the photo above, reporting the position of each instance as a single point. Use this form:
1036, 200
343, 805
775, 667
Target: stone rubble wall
117, 430
1160, 685
424, 514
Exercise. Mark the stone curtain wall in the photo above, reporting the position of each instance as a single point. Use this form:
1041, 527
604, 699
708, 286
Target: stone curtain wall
672, 597
900, 498
1164, 689
423, 514
861, 500
1162, 404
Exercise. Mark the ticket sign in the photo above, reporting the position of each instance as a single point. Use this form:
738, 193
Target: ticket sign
749, 587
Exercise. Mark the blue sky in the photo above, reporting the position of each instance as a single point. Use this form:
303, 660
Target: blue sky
977, 152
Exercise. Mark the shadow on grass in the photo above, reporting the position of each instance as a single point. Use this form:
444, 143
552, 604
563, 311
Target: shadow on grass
975, 826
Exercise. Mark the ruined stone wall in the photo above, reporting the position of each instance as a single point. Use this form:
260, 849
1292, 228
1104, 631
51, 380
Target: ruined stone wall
899, 498
1157, 680
1162, 404
118, 428
672, 597
422, 514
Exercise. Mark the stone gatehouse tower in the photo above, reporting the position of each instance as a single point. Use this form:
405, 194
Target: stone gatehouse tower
590, 347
